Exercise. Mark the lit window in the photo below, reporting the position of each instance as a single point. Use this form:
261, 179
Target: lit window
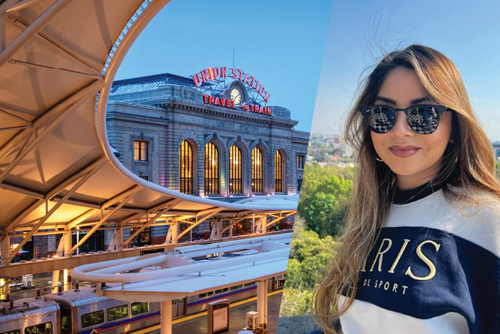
211, 169
278, 184
257, 171
139, 308
141, 150
186, 168
235, 170
118, 312
92, 319
41, 328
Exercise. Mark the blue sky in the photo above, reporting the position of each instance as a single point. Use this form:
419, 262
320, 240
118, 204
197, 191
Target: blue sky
468, 32
281, 43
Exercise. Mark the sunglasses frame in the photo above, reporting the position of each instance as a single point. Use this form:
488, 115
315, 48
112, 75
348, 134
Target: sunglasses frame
440, 109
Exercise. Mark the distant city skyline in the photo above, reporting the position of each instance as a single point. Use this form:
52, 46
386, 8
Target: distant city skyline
360, 32
281, 45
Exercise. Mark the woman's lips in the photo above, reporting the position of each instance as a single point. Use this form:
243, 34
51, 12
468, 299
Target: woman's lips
404, 151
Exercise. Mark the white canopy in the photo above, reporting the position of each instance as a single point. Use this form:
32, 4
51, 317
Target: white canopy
178, 275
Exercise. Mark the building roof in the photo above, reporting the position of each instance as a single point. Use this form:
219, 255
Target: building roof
150, 82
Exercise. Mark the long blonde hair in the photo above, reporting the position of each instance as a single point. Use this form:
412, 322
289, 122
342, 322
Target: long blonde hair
468, 163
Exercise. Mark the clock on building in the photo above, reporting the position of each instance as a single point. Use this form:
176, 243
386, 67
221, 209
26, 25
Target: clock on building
237, 94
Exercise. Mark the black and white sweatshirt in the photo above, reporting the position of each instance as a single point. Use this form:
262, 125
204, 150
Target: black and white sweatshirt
435, 269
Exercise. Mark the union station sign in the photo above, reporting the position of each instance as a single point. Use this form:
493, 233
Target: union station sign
245, 92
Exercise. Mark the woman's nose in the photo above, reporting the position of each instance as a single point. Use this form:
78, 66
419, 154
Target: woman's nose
401, 127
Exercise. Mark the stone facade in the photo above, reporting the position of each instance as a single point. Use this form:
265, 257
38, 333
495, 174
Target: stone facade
164, 114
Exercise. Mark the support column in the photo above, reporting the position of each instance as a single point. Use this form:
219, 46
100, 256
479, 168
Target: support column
55, 280
175, 231
68, 242
119, 238
66, 280
166, 317
5, 247
218, 223
262, 303
4, 289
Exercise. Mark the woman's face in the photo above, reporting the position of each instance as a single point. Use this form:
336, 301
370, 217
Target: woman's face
414, 158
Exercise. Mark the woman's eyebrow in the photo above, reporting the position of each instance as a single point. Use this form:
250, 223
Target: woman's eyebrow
391, 101
385, 99
422, 99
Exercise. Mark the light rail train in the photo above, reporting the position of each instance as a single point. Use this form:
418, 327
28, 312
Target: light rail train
81, 312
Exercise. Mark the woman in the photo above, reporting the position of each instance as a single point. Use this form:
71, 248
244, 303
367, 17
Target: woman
421, 246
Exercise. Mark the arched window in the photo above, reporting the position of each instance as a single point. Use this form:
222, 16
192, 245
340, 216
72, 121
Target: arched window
211, 169
278, 182
257, 171
235, 170
186, 168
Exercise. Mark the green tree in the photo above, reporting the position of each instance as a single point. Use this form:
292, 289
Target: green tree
323, 203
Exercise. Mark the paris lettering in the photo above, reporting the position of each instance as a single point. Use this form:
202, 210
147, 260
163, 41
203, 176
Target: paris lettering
381, 261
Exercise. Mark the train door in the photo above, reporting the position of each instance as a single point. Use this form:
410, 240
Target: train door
66, 320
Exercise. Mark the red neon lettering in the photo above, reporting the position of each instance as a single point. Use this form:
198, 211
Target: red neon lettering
205, 75
261, 91
211, 99
232, 104
197, 80
240, 73
257, 109
255, 84
211, 73
246, 79
268, 110
205, 98
223, 72
267, 96
217, 101
216, 72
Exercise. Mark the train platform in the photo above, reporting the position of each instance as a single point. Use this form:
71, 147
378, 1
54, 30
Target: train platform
197, 323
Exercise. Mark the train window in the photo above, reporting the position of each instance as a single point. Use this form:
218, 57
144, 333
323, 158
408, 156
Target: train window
202, 295
45, 328
174, 301
118, 312
66, 321
138, 308
218, 291
225, 289
92, 319
15, 331
239, 286
251, 283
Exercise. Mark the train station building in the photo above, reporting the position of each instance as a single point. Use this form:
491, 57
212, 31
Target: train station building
213, 134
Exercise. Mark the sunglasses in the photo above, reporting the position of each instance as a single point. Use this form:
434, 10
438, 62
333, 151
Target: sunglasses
422, 119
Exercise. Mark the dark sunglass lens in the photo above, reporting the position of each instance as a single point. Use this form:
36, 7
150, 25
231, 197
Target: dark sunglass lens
423, 119
380, 119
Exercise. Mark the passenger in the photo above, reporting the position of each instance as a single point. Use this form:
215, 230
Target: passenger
420, 251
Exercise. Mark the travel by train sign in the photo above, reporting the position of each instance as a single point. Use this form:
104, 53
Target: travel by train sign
228, 103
